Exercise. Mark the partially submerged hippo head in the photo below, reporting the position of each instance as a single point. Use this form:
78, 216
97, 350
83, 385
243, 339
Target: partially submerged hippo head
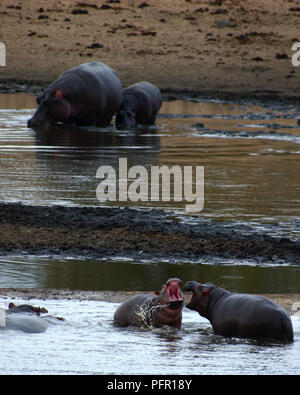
126, 116
53, 108
200, 296
26, 308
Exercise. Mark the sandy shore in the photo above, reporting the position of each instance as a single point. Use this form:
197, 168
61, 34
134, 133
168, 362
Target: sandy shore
285, 300
225, 48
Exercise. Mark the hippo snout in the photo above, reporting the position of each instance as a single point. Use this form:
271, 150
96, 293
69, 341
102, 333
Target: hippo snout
175, 304
190, 286
35, 123
30, 123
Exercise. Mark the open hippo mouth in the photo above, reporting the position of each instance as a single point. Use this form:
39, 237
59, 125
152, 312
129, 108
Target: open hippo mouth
173, 293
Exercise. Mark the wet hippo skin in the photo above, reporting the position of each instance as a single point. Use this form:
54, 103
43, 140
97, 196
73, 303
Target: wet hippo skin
141, 103
240, 315
146, 310
89, 94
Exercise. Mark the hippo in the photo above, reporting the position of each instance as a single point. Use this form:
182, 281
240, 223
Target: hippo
26, 308
27, 318
147, 310
240, 315
141, 103
26, 323
88, 94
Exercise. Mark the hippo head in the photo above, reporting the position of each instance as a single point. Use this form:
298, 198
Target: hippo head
171, 294
169, 304
200, 297
26, 308
53, 108
126, 116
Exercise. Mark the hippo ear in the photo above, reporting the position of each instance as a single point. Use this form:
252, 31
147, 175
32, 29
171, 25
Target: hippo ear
58, 94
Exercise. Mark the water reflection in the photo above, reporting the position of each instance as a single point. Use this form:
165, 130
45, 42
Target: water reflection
97, 144
127, 275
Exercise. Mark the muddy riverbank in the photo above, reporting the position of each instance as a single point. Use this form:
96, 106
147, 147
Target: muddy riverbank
99, 232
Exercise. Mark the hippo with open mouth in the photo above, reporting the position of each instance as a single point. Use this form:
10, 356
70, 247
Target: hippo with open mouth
165, 308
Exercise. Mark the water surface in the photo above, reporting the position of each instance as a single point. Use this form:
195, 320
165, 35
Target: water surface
124, 274
250, 155
251, 158
89, 343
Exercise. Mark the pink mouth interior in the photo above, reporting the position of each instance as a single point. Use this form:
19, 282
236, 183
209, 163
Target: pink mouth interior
173, 291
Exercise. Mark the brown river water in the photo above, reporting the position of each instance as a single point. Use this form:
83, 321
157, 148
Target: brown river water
250, 155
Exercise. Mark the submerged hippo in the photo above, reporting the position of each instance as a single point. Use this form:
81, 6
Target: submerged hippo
26, 308
27, 318
141, 103
240, 315
153, 311
25, 323
89, 94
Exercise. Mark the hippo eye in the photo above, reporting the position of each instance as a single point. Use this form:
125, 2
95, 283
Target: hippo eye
57, 94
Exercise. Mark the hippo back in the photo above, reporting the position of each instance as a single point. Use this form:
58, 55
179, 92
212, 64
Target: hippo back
25, 323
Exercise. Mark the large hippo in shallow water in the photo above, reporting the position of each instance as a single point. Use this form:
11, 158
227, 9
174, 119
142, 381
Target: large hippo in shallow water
141, 103
147, 310
89, 94
240, 315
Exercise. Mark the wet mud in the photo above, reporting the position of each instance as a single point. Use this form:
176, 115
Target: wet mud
97, 232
